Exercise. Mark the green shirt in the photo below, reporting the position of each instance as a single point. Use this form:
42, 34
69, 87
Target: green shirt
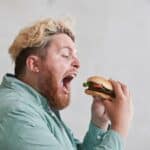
28, 123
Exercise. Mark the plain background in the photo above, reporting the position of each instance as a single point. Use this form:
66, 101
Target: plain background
113, 40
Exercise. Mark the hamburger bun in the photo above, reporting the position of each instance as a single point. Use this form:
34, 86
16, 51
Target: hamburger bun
104, 84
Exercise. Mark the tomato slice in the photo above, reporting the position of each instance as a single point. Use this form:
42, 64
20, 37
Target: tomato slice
97, 85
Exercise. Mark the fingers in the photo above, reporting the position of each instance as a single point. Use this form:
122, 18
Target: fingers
97, 98
124, 89
107, 104
120, 88
117, 88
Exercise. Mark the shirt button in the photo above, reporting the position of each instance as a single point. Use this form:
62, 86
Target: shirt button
98, 137
53, 115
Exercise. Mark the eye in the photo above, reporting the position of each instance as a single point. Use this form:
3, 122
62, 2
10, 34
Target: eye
65, 53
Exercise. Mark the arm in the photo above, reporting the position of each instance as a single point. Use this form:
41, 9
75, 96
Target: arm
119, 111
99, 139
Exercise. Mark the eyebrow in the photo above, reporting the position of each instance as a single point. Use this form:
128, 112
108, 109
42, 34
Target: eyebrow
70, 49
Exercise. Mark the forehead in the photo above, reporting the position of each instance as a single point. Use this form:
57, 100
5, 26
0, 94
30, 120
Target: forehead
63, 40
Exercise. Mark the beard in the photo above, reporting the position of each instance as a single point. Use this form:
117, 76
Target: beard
52, 90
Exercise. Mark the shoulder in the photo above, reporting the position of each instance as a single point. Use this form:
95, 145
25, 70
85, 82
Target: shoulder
13, 105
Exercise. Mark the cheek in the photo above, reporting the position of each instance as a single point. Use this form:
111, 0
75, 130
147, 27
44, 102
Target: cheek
60, 68
56, 65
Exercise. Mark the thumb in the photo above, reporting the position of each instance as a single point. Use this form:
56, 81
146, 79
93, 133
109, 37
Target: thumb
107, 104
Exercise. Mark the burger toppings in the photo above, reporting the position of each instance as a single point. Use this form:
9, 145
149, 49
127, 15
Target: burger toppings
98, 88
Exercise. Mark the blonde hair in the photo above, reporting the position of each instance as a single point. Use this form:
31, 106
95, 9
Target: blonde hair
37, 34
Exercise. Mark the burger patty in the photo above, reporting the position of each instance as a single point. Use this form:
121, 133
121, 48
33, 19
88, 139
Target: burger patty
103, 90
98, 88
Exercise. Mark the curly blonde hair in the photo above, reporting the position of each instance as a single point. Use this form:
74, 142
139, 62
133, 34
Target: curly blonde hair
37, 34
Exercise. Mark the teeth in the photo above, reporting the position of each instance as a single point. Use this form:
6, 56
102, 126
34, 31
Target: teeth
73, 76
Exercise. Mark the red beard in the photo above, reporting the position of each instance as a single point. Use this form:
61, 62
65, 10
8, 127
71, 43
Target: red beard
48, 87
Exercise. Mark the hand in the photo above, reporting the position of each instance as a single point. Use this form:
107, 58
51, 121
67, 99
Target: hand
120, 109
99, 115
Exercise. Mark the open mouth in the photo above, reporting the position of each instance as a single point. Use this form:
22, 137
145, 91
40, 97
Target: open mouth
67, 82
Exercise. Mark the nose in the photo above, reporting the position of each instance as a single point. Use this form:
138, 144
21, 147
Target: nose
76, 62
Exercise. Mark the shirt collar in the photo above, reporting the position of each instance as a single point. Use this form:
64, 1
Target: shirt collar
10, 81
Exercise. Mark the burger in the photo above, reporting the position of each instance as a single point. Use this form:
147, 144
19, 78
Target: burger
99, 86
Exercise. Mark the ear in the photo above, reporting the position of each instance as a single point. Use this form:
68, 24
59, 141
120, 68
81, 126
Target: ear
32, 63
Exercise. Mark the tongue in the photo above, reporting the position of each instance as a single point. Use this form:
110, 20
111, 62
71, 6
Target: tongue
66, 83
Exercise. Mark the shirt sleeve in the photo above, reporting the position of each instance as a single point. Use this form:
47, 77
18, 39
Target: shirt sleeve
98, 139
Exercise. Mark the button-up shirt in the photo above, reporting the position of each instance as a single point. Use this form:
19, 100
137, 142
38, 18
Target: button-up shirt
28, 123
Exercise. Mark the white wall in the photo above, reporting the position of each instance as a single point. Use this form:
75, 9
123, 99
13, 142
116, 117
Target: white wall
113, 40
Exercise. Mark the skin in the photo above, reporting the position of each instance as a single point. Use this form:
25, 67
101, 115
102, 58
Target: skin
99, 114
118, 111
47, 77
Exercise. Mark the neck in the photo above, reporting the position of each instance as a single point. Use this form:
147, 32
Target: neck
29, 79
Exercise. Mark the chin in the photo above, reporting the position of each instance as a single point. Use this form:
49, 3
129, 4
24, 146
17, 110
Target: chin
56, 91
59, 101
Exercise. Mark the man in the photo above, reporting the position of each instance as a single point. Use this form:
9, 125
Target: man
30, 100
